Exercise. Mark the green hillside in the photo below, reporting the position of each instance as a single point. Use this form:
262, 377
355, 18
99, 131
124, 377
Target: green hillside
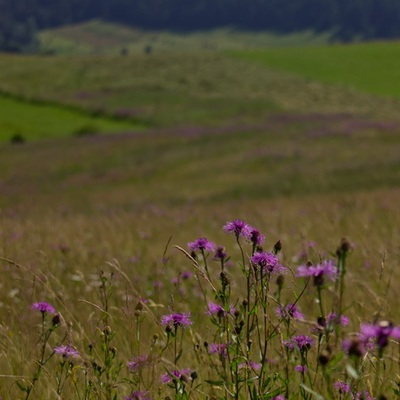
195, 88
368, 67
99, 37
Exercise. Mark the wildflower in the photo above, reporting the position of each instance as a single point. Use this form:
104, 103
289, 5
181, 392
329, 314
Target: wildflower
184, 375
138, 395
268, 262
238, 227
220, 254
250, 365
342, 387
186, 275
301, 368
279, 397
138, 363
319, 271
255, 236
220, 349
362, 396
300, 342
380, 333
201, 244
355, 346
215, 309
43, 307
290, 311
66, 351
177, 319
343, 320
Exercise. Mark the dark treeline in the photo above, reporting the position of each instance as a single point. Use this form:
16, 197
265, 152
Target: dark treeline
20, 19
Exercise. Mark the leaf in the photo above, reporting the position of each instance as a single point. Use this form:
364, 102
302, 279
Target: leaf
352, 372
178, 356
309, 390
216, 383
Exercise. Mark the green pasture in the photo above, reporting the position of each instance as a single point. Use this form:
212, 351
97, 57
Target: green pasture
34, 121
169, 90
368, 67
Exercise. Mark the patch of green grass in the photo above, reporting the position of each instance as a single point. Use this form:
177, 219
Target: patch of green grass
369, 67
39, 121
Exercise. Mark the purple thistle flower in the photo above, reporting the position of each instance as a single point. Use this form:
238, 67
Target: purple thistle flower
237, 227
183, 375
300, 342
138, 395
220, 254
362, 396
356, 346
326, 268
43, 307
343, 320
279, 397
138, 363
380, 333
220, 349
301, 368
342, 387
290, 311
201, 244
268, 262
255, 236
66, 351
177, 319
215, 309
186, 275
250, 365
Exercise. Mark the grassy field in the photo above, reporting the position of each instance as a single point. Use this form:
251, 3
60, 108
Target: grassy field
89, 224
358, 66
207, 89
33, 121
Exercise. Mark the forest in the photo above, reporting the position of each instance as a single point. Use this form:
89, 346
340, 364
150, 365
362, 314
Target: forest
347, 20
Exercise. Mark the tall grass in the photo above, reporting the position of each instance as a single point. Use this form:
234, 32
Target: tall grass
111, 277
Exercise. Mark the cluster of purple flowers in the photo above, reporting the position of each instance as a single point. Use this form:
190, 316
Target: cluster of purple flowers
268, 263
240, 228
344, 389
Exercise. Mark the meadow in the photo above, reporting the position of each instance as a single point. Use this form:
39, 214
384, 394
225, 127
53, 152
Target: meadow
107, 291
